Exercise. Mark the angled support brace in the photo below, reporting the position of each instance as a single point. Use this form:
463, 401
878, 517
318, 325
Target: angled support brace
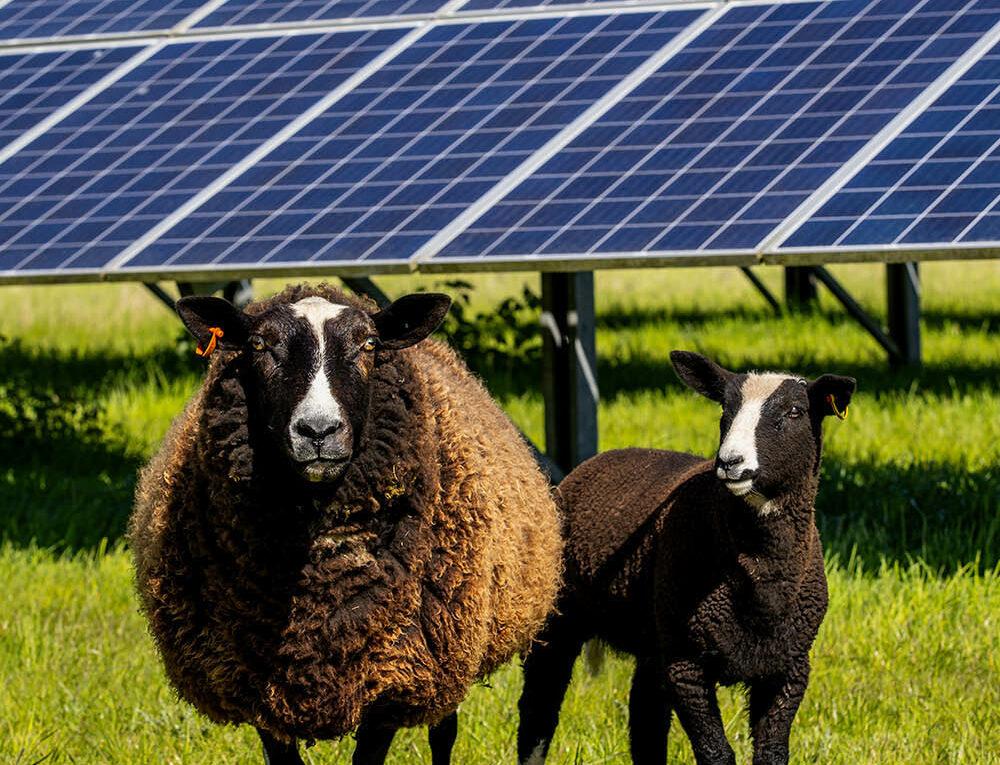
362, 285
239, 293
762, 289
854, 309
160, 294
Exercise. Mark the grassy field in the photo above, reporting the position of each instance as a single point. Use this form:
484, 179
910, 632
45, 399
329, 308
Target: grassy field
906, 666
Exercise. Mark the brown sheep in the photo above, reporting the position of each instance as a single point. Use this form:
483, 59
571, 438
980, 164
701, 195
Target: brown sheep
707, 571
342, 529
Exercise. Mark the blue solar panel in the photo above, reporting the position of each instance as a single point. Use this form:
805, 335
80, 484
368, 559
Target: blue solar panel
130, 156
21, 19
33, 85
938, 182
713, 151
239, 12
491, 5
386, 167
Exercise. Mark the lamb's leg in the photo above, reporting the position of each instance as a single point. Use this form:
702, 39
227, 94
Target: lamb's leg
442, 739
693, 697
372, 744
277, 753
773, 704
548, 668
648, 714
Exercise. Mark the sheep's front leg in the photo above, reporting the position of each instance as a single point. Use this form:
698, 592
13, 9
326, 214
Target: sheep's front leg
373, 742
442, 739
693, 698
773, 704
277, 752
648, 714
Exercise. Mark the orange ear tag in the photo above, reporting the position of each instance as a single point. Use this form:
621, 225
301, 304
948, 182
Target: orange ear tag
833, 405
216, 334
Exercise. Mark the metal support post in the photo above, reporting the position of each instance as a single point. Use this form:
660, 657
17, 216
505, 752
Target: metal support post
569, 375
903, 293
800, 288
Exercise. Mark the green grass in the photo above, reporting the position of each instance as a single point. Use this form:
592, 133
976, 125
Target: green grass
905, 666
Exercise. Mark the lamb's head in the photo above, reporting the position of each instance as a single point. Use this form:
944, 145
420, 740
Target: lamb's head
309, 367
771, 435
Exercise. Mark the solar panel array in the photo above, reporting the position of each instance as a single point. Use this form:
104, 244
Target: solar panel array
188, 138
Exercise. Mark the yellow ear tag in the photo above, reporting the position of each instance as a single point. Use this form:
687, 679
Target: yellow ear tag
216, 334
833, 405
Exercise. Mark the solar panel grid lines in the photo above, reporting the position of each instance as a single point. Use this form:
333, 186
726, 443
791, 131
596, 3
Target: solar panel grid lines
562, 139
272, 13
47, 19
786, 232
599, 155
924, 39
136, 150
937, 181
87, 72
421, 140
136, 248
684, 125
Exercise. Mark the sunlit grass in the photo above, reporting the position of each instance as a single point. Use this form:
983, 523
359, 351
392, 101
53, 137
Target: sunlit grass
906, 664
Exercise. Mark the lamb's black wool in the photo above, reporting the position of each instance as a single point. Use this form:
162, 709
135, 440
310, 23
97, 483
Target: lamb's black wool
706, 571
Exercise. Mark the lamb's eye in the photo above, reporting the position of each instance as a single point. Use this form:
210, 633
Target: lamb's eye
794, 413
257, 343
369, 344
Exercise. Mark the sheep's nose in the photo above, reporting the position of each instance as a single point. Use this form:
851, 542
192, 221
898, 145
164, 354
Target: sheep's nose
728, 463
318, 430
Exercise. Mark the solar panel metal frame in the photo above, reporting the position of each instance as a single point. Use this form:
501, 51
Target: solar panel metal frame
769, 252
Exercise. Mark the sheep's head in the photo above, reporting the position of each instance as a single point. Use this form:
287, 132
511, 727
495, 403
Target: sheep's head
771, 428
309, 367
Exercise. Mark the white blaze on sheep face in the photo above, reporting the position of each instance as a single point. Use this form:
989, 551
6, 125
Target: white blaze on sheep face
317, 419
738, 462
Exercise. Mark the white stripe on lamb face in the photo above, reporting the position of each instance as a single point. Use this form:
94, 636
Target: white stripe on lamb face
740, 442
318, 407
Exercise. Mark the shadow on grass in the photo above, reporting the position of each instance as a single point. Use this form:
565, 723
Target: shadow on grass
940, 514
66, 482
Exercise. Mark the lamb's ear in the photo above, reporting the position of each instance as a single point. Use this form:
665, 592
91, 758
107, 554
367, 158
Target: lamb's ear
701, 374
410, 319
830, 394
201, 314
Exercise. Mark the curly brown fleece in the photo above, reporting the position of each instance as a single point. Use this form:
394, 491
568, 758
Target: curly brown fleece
302, 610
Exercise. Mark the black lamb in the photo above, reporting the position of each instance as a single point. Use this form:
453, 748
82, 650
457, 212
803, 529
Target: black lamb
707, 571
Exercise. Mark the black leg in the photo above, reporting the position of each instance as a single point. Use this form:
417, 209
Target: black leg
372, 745
773, 704
442, 739
277, 753
548, 668
648, 715
692, 695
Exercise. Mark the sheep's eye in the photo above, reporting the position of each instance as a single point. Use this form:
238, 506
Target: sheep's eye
369, 344
794, 413
257, 343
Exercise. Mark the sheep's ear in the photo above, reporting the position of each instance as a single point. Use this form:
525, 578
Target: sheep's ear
830, 394
201, 314
410, 319
701, 374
